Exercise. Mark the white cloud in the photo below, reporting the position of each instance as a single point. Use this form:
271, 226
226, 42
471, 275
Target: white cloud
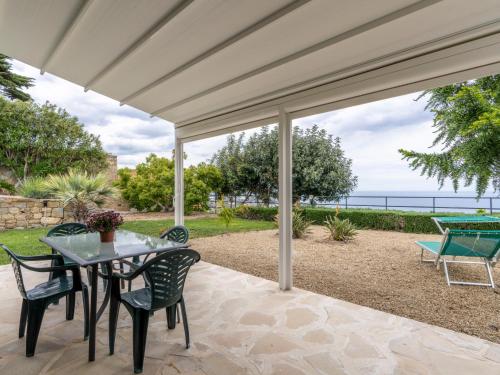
371, 134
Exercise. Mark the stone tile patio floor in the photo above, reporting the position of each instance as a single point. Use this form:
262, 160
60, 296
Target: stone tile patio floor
241, 324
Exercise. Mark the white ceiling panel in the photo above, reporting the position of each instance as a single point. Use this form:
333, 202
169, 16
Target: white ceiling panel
190, 60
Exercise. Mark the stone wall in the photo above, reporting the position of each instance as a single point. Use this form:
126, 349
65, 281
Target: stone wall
19, 212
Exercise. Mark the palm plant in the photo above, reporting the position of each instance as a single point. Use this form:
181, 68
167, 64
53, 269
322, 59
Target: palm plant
34, 187
80, 190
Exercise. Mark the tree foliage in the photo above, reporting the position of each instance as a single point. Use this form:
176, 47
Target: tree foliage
151, 186
11, 84
229, 160
321, 172
467, 123
37, 140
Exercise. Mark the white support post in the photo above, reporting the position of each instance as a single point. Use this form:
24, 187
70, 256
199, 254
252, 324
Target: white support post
179, 182
285, 200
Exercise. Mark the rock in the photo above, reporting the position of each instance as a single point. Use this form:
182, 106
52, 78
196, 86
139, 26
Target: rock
57, 212
50, 220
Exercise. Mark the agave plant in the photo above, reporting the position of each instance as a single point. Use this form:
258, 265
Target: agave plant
300, 225
340, 230
80, 190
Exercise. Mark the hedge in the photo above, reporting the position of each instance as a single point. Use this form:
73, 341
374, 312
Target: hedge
401, 221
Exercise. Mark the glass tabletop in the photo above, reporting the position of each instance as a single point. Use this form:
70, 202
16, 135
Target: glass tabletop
87, 248
467, 219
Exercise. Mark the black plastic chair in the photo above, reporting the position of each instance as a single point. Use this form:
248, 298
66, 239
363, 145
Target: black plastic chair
166, 274
67, 229
179, 233
36, 300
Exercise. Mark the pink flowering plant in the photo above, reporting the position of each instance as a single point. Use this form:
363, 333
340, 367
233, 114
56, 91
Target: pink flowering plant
106, 221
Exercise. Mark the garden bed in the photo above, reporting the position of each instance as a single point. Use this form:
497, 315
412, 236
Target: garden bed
379, 269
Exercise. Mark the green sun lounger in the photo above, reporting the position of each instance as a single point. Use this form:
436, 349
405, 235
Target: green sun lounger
481, 244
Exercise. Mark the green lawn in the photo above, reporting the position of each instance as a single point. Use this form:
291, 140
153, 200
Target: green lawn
26, 242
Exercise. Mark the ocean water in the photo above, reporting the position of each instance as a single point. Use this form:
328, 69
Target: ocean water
425, 201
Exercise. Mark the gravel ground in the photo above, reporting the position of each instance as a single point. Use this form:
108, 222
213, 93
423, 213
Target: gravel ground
378, 269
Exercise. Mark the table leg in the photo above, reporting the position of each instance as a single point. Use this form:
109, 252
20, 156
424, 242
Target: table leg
107, 292
93, 311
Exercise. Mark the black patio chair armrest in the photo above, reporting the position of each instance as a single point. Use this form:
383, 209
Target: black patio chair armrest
26, 258
129, 263
126, 276
70, 267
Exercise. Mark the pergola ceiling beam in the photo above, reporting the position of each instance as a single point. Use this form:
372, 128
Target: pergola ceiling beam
140, 42
314, 48
417, 50
457, 63
226, 43
63, 38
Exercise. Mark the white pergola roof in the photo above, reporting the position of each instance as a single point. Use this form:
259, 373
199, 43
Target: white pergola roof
212, 66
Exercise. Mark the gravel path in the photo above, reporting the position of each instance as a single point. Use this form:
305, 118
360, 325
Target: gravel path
379, 269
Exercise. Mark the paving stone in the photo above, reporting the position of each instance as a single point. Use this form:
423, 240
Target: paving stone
299, 317
255, 318
245, 327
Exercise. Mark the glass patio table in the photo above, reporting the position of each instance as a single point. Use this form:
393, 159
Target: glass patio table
88, 251
443, 220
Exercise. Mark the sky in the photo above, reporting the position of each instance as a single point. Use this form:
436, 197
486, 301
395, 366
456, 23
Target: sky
370, 133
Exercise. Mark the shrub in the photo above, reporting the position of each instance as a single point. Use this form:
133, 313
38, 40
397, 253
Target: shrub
300, 225
340, 230
257, 213
6, 187
401, 221
227, 215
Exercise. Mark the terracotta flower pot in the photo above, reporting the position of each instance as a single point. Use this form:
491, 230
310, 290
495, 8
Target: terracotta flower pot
107, 236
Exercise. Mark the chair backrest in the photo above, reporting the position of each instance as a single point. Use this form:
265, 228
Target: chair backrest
471, 243
166, 274
67, 229
16, 265
179, 233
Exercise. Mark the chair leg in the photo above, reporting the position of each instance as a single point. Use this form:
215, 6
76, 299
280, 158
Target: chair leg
140, 322
122, 282
22, 320
185, 322
178, 313
445, 266
85, 299
171, 317
130, 285
114, 309
36, 310
490, 274
70, 306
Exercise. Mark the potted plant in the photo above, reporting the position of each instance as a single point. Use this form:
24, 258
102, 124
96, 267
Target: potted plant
105, 223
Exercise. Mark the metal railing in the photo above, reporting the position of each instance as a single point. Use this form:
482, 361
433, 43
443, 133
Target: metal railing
387, 202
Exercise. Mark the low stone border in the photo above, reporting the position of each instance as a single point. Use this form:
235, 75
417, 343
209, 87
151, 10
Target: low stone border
20, 213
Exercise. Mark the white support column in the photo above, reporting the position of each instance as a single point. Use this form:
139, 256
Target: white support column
179, 182
285, 200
